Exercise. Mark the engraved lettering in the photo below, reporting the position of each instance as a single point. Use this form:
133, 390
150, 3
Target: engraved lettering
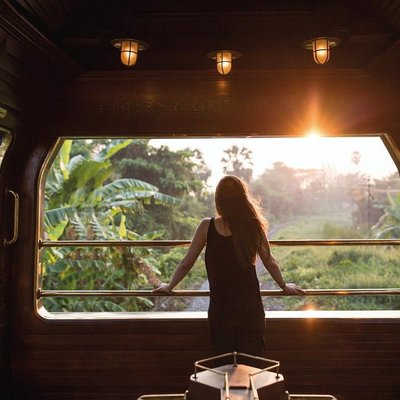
197, 106
149, 107
178, 106
160, 106
225, 105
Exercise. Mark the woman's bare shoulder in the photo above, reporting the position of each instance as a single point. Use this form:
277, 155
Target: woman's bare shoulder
205, 223
202, 229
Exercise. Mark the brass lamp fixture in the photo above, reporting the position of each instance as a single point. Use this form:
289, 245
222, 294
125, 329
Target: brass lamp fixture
321, 47
224, 59
129, 49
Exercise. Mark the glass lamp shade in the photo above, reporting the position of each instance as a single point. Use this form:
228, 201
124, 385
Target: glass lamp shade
224, 62
129, 52
321, 50
321, 47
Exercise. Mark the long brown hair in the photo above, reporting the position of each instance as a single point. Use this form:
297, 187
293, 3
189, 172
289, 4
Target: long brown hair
242, 214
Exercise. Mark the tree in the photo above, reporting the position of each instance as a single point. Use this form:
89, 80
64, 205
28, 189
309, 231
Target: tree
281, 191
238, 161
174, 172
182, 174
83, 203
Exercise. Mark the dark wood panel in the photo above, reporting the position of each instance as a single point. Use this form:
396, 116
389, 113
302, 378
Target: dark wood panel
254, 103
50, 14
350, 358
166, 342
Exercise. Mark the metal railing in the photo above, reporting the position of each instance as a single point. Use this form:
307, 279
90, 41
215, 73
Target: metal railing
182, 243
205, 293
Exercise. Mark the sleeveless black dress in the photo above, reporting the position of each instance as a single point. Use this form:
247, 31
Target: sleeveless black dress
236, 314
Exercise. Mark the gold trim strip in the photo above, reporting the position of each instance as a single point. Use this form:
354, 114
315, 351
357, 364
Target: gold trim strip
206, 293
176, 243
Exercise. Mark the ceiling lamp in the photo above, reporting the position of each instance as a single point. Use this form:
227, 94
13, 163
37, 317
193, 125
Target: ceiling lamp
224, 59
129, 49
320, 47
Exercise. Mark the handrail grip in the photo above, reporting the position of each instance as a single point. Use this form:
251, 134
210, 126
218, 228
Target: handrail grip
15, 220
175, 243
206, 293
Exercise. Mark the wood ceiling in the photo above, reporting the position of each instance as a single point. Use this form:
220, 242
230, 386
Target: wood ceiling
181, 32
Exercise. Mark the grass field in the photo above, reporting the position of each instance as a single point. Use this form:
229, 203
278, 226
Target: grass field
335, 267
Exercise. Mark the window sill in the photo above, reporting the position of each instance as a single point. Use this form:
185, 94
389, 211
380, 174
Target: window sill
201, 315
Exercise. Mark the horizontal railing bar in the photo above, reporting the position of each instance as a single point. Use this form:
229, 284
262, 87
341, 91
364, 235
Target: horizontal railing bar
335, 242
176, 243
113, 243
206, 293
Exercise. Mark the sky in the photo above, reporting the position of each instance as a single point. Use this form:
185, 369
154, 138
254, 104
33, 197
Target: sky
335, 153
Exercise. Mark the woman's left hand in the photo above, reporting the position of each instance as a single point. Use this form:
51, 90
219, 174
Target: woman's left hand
163, 288
293, 289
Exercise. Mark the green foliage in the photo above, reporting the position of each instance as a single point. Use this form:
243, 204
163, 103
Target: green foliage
341, 268
168, 261
88, 198
173, 172
354, 267
388, 225
181, 174
352, 256
331, 230
82, 203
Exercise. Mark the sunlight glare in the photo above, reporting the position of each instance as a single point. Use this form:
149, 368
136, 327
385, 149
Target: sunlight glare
309, 152
313, 134
310, 307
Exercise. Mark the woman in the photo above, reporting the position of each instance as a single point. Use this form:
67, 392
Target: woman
233, 239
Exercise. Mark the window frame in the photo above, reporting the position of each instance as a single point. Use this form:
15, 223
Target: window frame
41, 243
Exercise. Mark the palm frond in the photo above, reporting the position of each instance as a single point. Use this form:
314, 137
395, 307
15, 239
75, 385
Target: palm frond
74, 162
115, 146
126, 185
100, 230
64, 157
79, 226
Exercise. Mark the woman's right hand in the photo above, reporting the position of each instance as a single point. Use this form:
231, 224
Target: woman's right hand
163, 288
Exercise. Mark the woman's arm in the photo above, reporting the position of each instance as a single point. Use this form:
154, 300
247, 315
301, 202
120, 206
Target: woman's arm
272, 267
195, 248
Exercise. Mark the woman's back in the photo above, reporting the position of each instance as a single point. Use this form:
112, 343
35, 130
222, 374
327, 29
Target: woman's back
233, 287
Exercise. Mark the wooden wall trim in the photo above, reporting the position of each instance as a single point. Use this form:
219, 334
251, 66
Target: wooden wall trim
36, 43
261, 102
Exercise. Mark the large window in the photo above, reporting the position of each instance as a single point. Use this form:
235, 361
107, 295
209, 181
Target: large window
117, 215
